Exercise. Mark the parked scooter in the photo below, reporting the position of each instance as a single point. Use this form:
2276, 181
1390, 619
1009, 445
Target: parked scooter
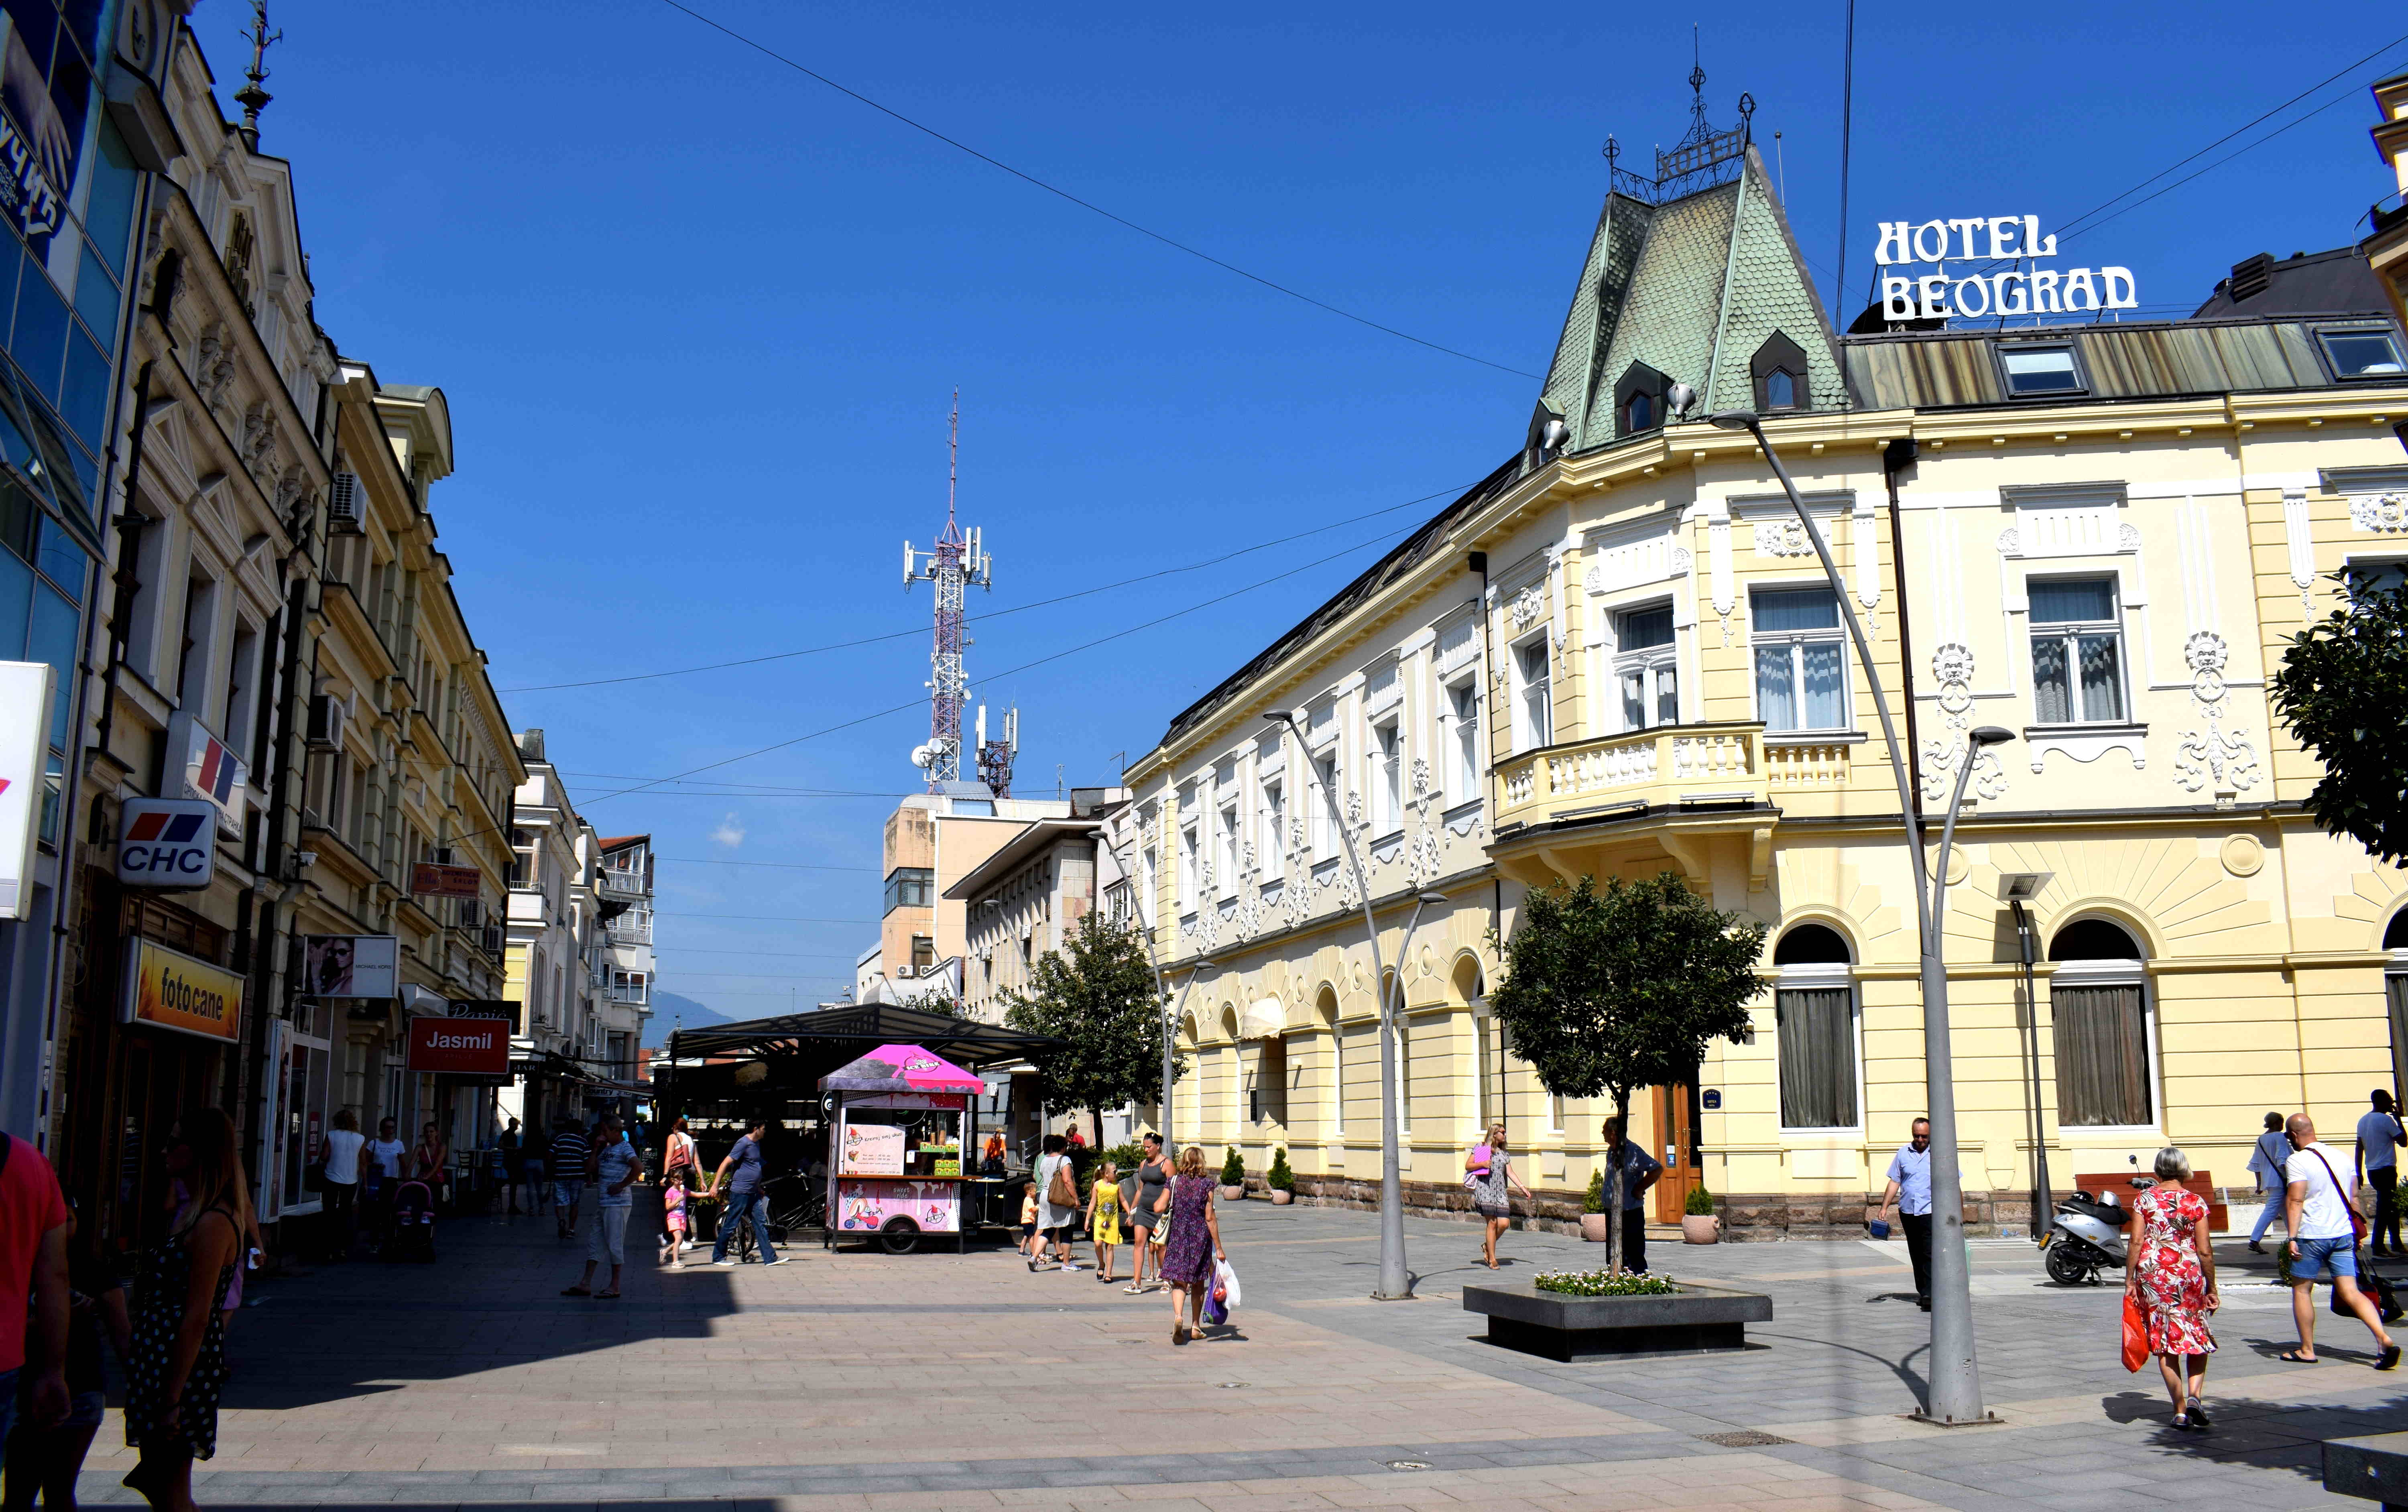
2088, 1235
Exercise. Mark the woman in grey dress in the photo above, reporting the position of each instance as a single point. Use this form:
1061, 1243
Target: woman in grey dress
1492, 1191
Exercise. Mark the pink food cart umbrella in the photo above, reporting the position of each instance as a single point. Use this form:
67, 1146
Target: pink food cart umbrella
902, 1068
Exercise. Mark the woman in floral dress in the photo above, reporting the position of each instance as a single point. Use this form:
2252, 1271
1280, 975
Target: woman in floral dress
1194, 1244
2172, 1278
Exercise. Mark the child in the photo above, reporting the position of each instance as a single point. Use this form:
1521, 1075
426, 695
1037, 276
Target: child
1028, 1220
1104, 1218
673, 1211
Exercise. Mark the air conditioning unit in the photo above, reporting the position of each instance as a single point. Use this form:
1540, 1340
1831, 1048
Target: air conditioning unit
472, 912
326, 716
343, 505
490, 938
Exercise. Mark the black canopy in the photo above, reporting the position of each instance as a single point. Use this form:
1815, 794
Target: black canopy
843, 1031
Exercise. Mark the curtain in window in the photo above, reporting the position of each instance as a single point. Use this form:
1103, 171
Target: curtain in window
1819, 663
1816, 1040
1776, 703
2395, 990
2102, 1051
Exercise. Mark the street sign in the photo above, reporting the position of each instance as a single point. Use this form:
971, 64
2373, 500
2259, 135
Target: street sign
166, 842
431, 880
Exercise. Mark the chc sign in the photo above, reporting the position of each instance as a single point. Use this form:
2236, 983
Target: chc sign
1979, 293
167, 843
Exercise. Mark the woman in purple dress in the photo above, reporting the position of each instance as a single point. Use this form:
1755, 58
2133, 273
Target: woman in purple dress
1194, 1244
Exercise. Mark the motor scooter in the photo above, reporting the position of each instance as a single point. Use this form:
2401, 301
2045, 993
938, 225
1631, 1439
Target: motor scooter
2088, 1235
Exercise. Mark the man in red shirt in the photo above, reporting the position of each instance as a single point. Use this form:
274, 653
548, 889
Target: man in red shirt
33, 1263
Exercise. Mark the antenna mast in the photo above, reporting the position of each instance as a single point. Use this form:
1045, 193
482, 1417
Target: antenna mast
951, 565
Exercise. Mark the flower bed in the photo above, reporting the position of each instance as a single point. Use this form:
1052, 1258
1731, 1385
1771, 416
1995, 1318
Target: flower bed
1604, 1284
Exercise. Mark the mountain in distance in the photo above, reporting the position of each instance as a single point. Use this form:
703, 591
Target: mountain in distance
668, 1008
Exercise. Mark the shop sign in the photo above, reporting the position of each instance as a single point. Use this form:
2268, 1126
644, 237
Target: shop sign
209, 771
431, 880
25, 741
169, 990
867, 1206
487, 1008
1983, 290
871, 1149
166, 842
460, 1047
352, 966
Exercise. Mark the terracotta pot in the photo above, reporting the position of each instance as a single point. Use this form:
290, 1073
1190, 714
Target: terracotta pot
1279, 1198
1593, 1228
1230, 1194
1700, 1228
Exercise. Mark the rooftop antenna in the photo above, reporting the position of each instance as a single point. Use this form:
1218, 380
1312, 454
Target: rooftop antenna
251, 96
951, 565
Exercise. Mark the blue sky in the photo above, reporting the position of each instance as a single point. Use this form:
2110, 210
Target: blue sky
700, 319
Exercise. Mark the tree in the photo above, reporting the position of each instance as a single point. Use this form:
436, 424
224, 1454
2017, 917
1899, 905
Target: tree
1614, 988
1100, 1000
2340, 687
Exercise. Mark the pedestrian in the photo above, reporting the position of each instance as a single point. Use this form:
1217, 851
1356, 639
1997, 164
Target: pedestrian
679, 1154
430, 1162
1152, 1200
2266, 1164
2324, 1224
2171, 1279
613, 1169
991, 1166
1195, 1246
1071, 1137
45, 1462
673, 1222
33, 1288
739, 1182
2379, 1138
1028, 1218
341, 1185
176, 1366
1104, 1218
1490, 1172
1640, 1171
566, 1159
513, 1146
384, 1156
1910, 1192
1057, 1205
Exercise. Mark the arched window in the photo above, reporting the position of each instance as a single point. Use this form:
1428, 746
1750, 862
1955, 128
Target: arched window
2395, 937
1816, 1037
2104, 1032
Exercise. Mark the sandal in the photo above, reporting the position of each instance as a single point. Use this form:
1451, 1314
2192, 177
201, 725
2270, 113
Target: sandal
2197, 1411
575, 1292
1179, 1334
2295, 1357
605, 1296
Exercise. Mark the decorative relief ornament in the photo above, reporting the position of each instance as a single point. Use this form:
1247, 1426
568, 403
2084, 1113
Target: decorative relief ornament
1940, 760
1354, 808
1595, 581
2010, 541
2210, 753
1530, 607
1349, 895
1421, 780
1952, 667
2205, 655
1296, 899
1250, 914
1423, 867
2381, 512
1680, 560
1782, 538
2127, 537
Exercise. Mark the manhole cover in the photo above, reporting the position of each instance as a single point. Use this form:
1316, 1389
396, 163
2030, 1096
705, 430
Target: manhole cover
1408, 1464
1745, 1438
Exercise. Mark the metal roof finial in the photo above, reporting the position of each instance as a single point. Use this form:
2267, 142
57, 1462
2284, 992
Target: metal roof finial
251, 96
1696, 81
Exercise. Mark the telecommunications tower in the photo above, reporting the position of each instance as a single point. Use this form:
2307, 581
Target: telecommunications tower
954, 565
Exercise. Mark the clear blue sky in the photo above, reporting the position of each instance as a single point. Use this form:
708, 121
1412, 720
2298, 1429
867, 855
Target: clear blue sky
699, 317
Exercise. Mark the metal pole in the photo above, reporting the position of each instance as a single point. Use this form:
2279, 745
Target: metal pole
1396, 1285
2043, 1196
1161, 990
1955, 1392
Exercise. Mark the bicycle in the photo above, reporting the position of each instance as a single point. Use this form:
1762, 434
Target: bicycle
794, 1203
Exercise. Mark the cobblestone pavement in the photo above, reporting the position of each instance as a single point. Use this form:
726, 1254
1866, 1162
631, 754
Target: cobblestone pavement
861, 1380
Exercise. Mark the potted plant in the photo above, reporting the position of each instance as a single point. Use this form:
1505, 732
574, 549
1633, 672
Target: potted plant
1593, 1218
1233, 1175
1699, 1225
1281, 1181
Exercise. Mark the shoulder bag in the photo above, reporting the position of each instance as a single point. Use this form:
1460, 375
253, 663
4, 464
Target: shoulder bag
1060, 1192
2348, 1202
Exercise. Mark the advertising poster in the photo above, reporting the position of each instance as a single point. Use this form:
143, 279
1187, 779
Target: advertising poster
46, 93
24, 720
352, 966
871, 1149
169, 990
867, 1206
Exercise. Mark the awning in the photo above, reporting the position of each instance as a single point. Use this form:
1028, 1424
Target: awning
1265, 1019
868, 1025
901, 1068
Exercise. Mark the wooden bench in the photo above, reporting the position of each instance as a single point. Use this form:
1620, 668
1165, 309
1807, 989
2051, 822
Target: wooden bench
2120, 1183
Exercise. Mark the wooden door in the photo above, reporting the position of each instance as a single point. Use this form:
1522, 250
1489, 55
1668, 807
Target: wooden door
1676, 1145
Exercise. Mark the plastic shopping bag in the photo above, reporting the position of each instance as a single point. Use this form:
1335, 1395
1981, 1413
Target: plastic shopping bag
2136, 1334
1224, 1295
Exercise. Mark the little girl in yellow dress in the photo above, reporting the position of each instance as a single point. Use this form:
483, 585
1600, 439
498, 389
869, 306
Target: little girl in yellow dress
1104, 1216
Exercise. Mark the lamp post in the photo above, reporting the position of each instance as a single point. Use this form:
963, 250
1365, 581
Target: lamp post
2015, 889
1396, 1285
1161, 991
1955, 1392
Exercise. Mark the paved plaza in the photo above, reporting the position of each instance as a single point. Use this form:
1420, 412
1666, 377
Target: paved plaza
861, 1380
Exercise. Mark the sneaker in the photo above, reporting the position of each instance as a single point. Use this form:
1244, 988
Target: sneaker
724, 1264
780, 1261
1072, 1265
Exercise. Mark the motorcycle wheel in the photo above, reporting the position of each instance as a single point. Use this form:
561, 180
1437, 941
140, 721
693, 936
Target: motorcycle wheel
2066, 1268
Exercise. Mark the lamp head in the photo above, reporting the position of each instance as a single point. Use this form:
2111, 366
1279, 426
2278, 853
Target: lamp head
1680, 396
1991, 734
1282, 716
2022, 887
1733, 419
1432, 897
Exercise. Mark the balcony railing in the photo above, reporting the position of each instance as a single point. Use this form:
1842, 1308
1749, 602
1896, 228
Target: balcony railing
626, 884
631, 932
639, 996
1667, 767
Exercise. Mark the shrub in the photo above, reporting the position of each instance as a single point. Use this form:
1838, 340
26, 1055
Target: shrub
1594, 1202
1127, 1157
1281, 1179
1701, 1203
1233, 1170
1604, 1284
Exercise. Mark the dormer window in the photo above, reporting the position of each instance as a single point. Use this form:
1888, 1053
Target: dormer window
1779, 389
1779, 371
1639, 402
1640, 414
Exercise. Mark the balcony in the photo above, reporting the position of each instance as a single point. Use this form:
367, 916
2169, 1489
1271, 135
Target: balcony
630, 931
627, 886
1629, 801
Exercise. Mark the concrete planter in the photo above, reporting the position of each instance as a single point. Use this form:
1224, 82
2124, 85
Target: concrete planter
1700, 1228
1281, 1198
1699, 1319
1594, 1229
1231, 1194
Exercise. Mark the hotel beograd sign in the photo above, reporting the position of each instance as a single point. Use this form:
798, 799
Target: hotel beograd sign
169, 990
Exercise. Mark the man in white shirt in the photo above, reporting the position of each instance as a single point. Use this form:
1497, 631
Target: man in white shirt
2266, 1160
2379, 1138
2323, 1224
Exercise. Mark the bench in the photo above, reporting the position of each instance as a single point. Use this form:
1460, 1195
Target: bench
2374, 1467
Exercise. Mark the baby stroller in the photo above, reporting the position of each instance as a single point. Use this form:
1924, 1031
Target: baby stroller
412, 1235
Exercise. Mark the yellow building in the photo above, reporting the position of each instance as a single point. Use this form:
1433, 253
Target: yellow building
1619, 655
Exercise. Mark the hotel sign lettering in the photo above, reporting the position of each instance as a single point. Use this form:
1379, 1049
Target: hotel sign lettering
1987, 290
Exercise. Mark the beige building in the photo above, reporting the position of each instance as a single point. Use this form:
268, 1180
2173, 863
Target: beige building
2386, 246
1030, 896
1618, 655
932, 841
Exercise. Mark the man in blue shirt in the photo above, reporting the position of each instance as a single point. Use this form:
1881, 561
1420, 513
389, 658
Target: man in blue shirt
2379, 1138
742, 1199
1640, 1171
1910, 1192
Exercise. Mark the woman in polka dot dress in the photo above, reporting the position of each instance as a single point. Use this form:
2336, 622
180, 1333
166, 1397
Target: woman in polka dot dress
177, 1368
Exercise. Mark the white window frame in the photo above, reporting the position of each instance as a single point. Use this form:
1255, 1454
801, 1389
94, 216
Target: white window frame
2114, 974
1461, 717
1649, 663
1228, 841
1387, 758
2377, 562
1822, 976
1271, 844
1190, 888
1796, 641
1324, 792
2073, 632
1534, 713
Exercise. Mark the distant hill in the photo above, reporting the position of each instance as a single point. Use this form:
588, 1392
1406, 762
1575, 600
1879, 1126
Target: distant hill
669, 1007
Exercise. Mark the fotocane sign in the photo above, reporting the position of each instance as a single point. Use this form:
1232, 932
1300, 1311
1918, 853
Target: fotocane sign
1977, 292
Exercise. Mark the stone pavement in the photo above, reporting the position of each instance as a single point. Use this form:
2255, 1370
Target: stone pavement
938, 1381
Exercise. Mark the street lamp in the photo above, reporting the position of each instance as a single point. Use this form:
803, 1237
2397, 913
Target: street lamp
1955, 1393
1395, 1284
1162, 994
2015, 889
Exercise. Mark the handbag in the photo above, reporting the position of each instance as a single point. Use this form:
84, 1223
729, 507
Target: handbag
2136, 1334
1059, 1191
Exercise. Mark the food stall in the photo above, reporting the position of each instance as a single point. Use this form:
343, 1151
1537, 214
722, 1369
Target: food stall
897, 1126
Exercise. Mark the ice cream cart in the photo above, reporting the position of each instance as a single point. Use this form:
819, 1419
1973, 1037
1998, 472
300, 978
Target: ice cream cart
897, 1122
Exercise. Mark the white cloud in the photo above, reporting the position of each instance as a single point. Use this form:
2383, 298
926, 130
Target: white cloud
729, 834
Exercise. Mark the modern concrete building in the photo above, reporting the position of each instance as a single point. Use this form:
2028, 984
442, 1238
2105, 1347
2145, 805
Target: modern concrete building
932, 841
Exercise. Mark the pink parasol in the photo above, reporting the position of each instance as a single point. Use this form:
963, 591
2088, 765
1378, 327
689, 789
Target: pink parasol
903, 1068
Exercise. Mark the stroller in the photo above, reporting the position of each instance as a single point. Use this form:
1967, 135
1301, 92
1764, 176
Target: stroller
411, 1235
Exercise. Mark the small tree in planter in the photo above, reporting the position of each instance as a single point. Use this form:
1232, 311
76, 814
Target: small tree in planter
1593, 1224
1281, 1179
1233, 1174
1699, 1225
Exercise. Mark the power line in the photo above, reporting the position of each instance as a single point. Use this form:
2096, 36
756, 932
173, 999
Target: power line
767, 919
781, 865
1089, 204
998, 614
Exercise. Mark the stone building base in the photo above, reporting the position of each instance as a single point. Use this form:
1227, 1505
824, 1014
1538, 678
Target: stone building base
1747, 1218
